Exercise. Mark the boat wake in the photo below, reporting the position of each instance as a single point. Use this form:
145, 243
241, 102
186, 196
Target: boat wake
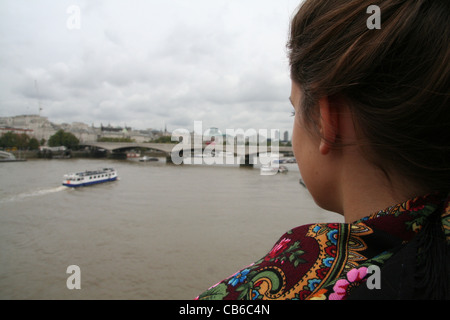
33, 193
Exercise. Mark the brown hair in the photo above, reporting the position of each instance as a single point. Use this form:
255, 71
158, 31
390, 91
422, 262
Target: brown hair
395, 79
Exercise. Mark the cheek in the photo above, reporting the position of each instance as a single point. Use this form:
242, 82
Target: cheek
313, 168
301, 144
297, 139
301, 150
308, 160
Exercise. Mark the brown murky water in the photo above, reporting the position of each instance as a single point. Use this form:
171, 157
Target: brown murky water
160, 232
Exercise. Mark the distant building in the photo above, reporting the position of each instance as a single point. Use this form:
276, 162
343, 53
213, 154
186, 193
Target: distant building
5, 129
41, 128
276, 135
33, 125
109, 128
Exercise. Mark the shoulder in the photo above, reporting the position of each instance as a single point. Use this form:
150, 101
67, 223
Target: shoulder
297, 266
328, 260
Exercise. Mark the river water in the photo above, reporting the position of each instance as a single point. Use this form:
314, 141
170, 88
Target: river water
161, 232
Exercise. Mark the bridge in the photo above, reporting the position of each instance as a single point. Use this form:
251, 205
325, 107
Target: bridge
168, 148
124, 146
8, 157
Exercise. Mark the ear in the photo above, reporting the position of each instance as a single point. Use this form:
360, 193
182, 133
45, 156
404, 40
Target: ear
329, 125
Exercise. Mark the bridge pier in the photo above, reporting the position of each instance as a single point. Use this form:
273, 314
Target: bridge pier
117, 155
247, 162
169, 159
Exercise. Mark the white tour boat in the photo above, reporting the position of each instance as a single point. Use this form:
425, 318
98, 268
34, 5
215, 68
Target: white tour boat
89, 177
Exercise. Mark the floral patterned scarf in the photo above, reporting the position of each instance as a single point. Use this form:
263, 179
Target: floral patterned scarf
334, 260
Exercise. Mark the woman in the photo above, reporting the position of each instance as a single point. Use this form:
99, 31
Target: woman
371, 139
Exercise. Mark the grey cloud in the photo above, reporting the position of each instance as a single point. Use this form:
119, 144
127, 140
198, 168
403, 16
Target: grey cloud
147, 63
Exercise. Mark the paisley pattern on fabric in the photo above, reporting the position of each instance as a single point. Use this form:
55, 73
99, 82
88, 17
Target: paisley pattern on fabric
329, 260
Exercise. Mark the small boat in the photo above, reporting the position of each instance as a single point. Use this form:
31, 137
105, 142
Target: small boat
268, 170
282, 169
302, 183
271, 168
145, 159
89, 177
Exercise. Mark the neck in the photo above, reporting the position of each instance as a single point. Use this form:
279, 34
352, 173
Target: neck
357, 206
365, 189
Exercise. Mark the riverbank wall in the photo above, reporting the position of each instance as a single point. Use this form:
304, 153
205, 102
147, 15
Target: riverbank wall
68, 154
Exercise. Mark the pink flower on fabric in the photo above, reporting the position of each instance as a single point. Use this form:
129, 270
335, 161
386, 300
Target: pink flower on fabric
343, 287
277, 249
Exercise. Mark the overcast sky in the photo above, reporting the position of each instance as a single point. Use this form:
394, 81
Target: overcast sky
148, 63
